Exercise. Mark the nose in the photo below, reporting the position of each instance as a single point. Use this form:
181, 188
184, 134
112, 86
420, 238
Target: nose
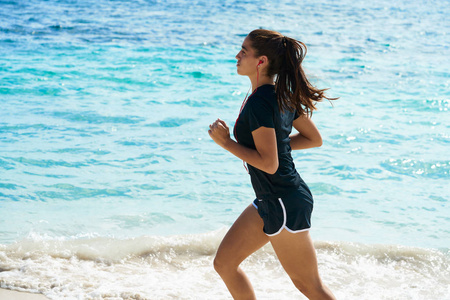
237, 55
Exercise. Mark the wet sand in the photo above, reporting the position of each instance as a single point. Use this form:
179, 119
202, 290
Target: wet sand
14, 295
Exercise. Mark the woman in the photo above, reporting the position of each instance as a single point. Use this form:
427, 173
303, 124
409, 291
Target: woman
282, 98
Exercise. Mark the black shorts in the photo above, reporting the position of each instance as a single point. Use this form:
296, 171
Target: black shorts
292, 212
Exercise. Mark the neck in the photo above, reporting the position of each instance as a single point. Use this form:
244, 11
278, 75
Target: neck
256, 83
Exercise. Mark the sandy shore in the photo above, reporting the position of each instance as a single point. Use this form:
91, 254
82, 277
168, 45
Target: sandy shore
13, 295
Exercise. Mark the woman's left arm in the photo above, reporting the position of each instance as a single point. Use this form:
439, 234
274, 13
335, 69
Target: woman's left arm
265, 157
308, 135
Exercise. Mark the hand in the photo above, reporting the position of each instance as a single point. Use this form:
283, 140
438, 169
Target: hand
219, 132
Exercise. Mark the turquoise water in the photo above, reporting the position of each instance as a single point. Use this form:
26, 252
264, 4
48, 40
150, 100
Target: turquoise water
106, 107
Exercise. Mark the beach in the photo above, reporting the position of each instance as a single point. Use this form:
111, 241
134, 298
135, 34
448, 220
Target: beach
13, 295
111, 188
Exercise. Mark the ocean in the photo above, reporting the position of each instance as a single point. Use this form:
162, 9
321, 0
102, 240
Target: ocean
110, 187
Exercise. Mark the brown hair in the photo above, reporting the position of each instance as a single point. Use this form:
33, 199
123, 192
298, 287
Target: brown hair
285, 56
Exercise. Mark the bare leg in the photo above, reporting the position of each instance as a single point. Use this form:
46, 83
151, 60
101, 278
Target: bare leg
298, 257
244, 237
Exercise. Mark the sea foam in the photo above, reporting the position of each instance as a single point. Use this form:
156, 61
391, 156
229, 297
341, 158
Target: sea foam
180, 267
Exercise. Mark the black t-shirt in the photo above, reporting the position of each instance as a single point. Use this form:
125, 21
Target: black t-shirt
261, 110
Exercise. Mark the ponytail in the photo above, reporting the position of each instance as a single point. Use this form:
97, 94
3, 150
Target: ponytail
285, 55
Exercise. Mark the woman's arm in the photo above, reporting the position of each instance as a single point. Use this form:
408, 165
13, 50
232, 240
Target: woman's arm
308, 135
265, 156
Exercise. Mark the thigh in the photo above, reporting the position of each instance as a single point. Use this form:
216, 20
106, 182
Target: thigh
297, 255
244, 237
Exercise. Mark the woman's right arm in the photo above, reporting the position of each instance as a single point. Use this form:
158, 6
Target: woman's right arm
264, 157
308, 135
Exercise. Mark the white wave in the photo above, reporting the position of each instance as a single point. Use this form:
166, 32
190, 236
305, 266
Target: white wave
180, 267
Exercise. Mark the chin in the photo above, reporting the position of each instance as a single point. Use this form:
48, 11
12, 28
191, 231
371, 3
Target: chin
240, 71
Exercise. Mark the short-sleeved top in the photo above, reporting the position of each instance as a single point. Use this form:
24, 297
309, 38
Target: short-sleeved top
262, 110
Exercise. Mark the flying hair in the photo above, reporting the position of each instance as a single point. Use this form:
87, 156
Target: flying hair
285, 55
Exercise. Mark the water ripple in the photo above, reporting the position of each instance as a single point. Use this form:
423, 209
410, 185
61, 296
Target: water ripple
415, 168
95, 118
69, 192
171, 122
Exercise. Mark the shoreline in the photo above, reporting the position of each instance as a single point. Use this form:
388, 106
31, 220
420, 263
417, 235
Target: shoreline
15, 295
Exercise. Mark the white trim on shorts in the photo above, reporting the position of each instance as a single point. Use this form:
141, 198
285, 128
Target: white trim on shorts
284, 221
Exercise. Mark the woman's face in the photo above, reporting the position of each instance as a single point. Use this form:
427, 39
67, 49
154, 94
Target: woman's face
246, 60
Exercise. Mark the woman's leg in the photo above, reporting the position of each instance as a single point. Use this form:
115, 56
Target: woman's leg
244, 237
298, 257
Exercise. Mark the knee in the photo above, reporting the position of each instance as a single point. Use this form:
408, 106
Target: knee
222, 266
219, 265
311, 289
302, 286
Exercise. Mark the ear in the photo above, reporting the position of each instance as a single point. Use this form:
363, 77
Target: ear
262, 60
